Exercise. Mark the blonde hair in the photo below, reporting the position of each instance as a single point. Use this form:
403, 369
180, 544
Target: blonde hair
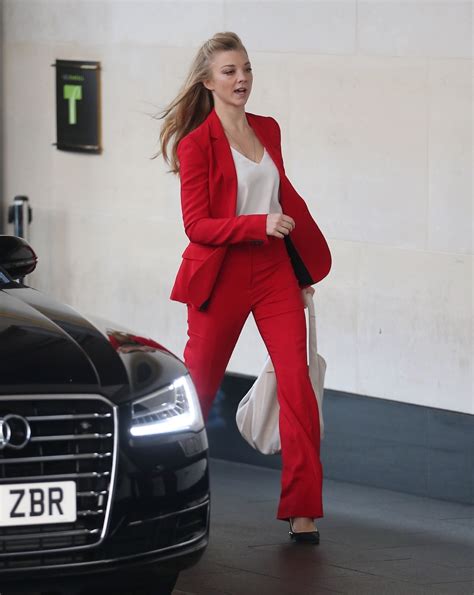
194, 101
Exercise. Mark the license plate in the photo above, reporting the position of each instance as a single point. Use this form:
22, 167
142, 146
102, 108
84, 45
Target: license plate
37, 503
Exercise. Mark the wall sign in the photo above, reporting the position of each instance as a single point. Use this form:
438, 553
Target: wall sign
78, 106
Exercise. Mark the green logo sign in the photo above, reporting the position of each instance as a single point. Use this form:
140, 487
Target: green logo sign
72, 93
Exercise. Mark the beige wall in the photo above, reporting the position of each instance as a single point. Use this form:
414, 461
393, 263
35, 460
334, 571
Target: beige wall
2, 118
374, 101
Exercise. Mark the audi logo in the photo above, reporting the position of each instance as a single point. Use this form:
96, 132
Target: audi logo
15, 432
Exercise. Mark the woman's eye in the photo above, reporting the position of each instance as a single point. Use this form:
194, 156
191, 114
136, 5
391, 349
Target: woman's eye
232, 72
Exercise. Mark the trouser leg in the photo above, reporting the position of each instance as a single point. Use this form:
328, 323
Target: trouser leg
211, 341
280, 318
302, 474
213, 333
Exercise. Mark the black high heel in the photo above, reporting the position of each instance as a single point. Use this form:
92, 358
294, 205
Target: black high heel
304, 536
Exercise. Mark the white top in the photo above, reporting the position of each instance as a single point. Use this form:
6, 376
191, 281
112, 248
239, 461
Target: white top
258, 187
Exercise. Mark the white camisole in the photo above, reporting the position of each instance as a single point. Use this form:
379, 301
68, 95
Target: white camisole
258, 188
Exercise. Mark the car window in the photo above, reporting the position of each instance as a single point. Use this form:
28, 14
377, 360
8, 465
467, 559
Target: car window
4, 278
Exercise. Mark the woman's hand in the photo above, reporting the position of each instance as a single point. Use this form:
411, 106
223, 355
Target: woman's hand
279, 225
309, 290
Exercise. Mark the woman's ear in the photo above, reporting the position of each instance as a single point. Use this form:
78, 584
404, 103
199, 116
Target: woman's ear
206, 84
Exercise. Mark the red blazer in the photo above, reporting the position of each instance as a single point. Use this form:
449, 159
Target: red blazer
208, 201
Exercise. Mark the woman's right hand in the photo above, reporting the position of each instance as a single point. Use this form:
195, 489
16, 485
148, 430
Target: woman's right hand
279, 225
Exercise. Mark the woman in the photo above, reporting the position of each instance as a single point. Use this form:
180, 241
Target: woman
254, 247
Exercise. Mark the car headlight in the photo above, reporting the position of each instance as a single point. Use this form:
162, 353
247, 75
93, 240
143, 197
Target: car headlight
174, 408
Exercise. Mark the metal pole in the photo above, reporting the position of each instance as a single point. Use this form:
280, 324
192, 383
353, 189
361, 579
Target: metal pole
20, 215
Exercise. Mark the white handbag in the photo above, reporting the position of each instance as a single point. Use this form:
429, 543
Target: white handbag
258, 412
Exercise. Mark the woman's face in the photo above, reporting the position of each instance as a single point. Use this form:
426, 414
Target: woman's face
230, 71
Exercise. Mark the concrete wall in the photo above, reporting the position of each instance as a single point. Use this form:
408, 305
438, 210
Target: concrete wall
2, 117
374, 101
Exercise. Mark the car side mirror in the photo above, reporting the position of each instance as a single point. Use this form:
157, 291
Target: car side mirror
17, 257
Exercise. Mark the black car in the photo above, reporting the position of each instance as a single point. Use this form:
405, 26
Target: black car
104, 483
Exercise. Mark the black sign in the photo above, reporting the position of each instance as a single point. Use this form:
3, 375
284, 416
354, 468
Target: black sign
78, 106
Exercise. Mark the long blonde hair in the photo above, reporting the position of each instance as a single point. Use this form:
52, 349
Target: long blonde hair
194, 102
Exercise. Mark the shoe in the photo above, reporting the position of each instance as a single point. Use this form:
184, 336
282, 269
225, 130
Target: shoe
304, 536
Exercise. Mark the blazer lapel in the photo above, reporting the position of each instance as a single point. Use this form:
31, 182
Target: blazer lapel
224, 160
262, 134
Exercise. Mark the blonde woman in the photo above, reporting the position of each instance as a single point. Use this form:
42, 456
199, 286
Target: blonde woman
253, 248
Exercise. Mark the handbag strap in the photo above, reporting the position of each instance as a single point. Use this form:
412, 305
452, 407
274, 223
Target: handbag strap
313, 339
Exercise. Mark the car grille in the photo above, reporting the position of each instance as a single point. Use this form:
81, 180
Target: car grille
72, 438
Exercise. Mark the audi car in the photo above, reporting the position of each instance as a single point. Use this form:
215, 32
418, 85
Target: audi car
104, 483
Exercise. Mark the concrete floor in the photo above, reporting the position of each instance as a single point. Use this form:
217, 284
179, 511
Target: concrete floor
373, 542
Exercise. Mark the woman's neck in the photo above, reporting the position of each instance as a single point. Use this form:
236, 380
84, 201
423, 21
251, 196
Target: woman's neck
233, 119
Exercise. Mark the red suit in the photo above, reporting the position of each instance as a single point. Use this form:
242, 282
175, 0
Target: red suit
231, 268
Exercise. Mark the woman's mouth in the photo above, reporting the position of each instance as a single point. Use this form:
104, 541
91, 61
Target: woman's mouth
241, 91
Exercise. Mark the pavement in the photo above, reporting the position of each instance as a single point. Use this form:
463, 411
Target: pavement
373, 542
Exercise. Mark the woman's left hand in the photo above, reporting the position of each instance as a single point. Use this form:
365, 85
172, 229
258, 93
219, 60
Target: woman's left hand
309, 290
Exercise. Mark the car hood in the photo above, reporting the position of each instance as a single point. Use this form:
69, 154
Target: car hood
48, 347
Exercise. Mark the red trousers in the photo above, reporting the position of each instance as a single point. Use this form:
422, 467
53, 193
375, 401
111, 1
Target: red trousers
260, 279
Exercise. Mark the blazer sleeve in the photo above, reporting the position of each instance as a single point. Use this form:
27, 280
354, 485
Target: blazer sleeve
199, 226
